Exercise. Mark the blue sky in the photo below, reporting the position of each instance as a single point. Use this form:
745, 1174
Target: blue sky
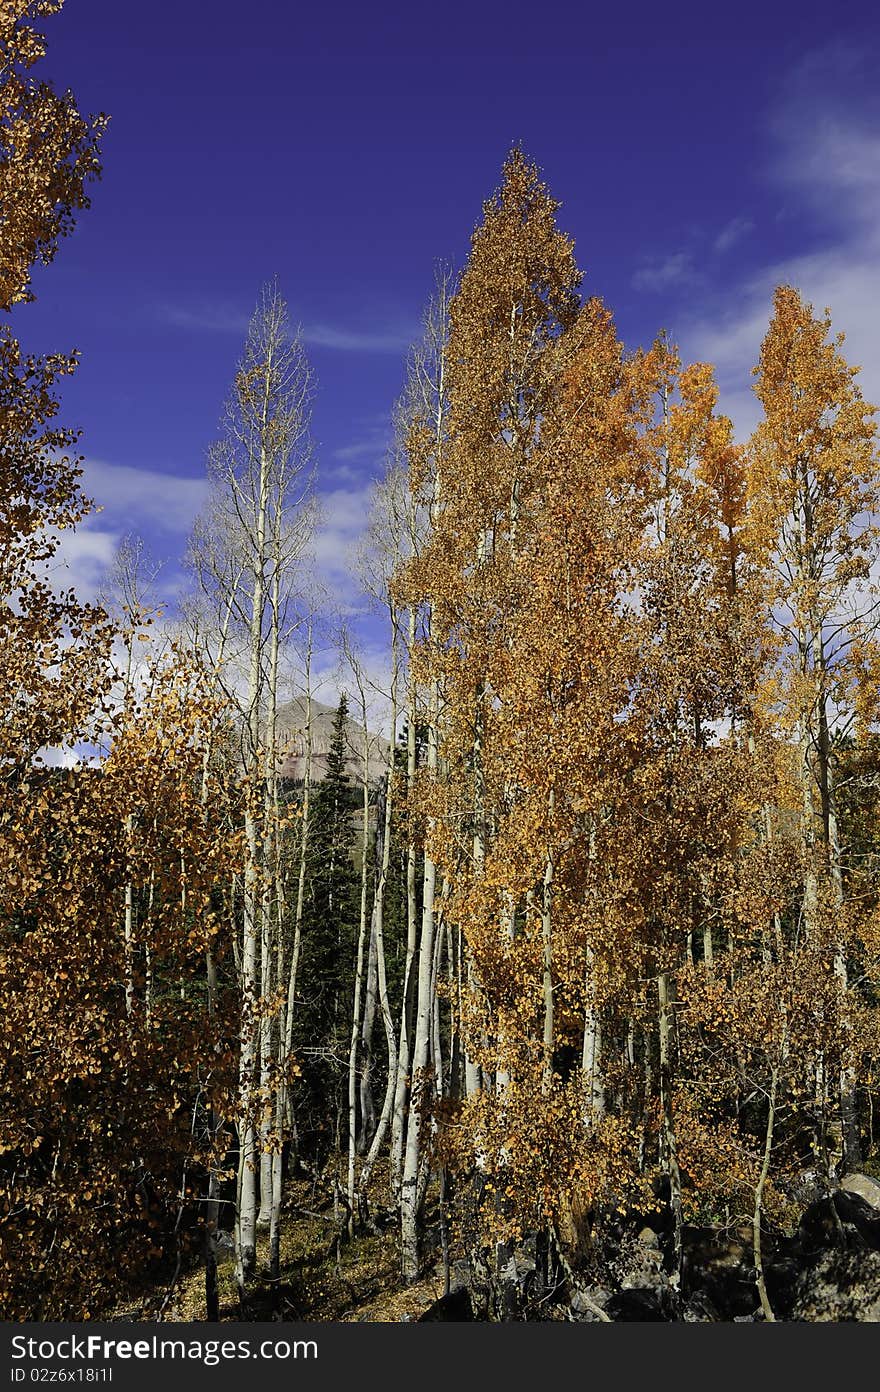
701, 153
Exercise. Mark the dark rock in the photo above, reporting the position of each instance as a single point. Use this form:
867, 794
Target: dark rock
653, 1306
856, 1212
840, 1286
583, 1302
519, 1268
700, 1310
820, 1227
454, 1306
807, 1187
841, 1220
864, 1187
717, 1267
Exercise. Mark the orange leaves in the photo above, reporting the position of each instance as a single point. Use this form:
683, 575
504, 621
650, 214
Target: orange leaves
49, 154
606, 594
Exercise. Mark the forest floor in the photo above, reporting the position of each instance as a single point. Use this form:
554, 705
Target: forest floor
324, 1276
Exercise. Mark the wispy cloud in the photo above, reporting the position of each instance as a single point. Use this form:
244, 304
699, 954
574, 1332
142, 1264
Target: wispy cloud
667, 273
83, 559
826, 163
344, 513
219, 317
731, 233
127, 496
372, 443
140, 501
357, 340
205, 318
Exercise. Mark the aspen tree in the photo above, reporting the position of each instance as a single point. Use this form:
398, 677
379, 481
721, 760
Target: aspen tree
424, 428
262, 491
813, 477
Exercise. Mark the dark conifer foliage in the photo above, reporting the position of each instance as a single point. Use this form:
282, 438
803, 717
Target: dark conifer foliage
329, 932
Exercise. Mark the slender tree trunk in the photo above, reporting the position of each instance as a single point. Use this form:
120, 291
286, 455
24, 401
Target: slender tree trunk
548, 1042
591, 1054
405, 1037
670, 1143
367, 1127
359, 969
379, 929
409, 1214
246, 1195
293, 975
759, 1194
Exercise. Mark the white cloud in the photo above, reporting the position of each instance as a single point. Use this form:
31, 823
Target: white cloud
219, 317
127, 501
204, 318
58, 756
83, 559
345, 512
666, 274
731, 233
363, 449
830, 167
129, 496
357, 340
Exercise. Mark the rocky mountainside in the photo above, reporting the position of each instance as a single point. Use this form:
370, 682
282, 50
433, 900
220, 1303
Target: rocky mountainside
292, 720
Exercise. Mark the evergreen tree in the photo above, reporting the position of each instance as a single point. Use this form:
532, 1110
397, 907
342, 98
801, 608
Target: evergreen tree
329, 934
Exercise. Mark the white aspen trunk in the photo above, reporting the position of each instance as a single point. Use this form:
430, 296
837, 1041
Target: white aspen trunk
808, 833
367, 1127
668, 1121
353, 1049
708, 947
264, 1212
246, 1194
473, 1079
254, 467
212, 1204
435, 1052
849, 1118
359, 972
591, 1054
403, 1049
215, 1123
548, 1041
418, 1049
280, 1100
148, 955
379, 933
508, 924
128, 928
272, 929
409, 1205
436, 1036
301, 877
757, 1215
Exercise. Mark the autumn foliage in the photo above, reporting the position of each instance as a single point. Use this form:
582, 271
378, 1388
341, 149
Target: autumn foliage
613, 898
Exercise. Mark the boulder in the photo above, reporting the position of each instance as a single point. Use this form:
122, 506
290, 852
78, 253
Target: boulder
864, 1187
654, 1306
717, 1268
807, 1187
456, 1306
840, 1286
700, 1310
840, 1220
584, 1303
